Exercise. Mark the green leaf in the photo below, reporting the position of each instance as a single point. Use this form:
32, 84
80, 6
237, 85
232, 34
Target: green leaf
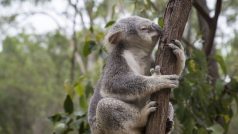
99, 36
161, 22
68, 105
219, 87
80, 114
216, 129
221, 62
83, 103
69, 121
68, 88
192, 67
234, 85
88, 89
236, 100
81, 128
55, 118
91, 29
110, 23
60, 128
202, 131
88, 47
79, 88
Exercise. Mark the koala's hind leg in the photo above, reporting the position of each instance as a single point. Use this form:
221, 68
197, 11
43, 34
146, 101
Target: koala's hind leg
117, 117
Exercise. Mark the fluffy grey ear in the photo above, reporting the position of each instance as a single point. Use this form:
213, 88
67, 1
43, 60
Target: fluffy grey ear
115, 37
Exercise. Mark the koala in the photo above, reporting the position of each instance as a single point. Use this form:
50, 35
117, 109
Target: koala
121, 101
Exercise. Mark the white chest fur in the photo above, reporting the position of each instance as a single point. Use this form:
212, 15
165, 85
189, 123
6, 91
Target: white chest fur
133, 62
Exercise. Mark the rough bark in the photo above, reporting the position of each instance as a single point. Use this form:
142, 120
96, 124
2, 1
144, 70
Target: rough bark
175, 18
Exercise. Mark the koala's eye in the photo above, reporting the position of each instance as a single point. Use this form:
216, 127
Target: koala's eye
144, 28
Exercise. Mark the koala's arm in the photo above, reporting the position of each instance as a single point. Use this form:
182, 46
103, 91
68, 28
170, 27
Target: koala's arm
130, 86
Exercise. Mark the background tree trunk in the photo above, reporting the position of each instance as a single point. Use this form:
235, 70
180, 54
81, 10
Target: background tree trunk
208, 26
175, 18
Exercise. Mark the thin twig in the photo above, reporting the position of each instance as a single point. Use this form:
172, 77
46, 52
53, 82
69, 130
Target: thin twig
78, 12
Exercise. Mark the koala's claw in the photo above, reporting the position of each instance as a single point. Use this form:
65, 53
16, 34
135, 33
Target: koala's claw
155, 71
177, 43
171, 77
151, 104
177, 48
169, 81
149, 107
152, 71
174, 47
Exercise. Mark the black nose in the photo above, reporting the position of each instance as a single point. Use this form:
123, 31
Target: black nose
156, 28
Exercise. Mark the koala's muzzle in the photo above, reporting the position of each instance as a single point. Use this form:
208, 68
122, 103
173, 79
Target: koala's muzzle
156, 28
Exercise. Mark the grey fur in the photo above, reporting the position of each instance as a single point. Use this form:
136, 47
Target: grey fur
120, 104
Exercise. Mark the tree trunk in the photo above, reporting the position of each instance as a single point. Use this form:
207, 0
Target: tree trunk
175, 18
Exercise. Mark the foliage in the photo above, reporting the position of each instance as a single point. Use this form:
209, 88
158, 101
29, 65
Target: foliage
29, 80
201, 108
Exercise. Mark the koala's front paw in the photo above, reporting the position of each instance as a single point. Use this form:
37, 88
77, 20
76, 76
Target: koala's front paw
155, 71
168, 81
177, 48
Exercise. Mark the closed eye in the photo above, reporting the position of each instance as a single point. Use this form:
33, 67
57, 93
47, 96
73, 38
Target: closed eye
144, 28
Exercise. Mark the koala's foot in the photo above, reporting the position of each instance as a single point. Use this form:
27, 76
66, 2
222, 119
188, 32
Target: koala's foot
170, 122
169, 126
150, 107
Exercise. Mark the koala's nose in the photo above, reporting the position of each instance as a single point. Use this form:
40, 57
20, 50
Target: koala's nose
156, 28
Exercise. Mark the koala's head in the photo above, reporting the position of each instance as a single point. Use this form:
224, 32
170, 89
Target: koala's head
135, 31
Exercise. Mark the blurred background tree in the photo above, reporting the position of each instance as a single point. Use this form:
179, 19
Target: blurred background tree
52, 54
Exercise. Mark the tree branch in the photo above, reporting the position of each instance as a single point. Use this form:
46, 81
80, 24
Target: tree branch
213, 27
175, 18
202, 11
77, 12
74, 41
217, 9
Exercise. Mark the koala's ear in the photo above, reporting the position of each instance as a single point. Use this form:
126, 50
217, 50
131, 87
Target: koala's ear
114, 38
